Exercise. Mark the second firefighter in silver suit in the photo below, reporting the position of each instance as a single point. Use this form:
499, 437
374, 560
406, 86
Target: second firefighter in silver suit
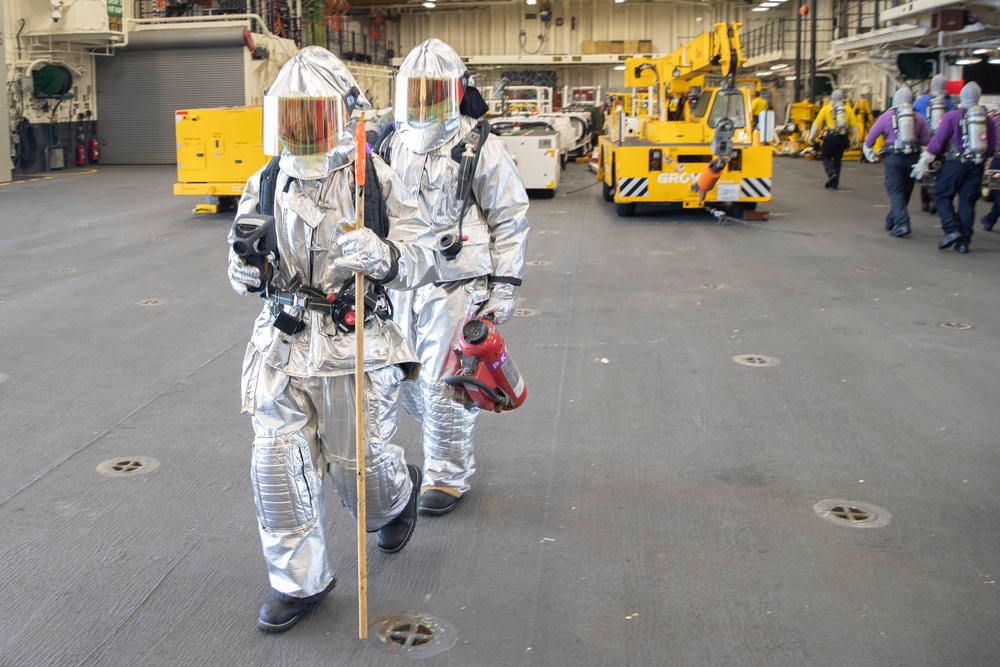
436, 108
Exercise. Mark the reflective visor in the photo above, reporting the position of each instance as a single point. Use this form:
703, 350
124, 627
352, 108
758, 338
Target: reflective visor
431, 100
302, 125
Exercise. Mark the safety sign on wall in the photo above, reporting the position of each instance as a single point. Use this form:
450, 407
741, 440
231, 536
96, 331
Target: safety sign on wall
115, 15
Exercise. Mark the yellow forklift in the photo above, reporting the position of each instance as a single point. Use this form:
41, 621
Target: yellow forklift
699, 148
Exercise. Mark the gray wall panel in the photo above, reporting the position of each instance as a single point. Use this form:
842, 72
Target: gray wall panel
138, 92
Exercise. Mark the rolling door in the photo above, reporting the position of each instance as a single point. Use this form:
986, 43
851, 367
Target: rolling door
139, 89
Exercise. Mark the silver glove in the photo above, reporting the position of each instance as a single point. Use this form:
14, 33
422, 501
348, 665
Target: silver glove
362, 250
241, 276
500, 305
869, 154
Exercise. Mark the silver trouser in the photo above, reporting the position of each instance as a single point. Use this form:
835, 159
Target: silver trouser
431, 318
303, 426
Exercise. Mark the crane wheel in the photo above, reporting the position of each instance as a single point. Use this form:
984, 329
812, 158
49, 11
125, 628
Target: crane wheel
625, 210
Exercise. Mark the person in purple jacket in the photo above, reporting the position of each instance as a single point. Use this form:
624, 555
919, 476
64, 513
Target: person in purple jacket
906, 133
966, 142
990, 219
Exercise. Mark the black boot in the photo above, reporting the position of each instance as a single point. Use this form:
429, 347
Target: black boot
393, 536
949, 240
281, 611
902, 229
988, 223
436, 502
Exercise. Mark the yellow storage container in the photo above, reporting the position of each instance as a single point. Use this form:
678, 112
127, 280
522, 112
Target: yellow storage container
217, 150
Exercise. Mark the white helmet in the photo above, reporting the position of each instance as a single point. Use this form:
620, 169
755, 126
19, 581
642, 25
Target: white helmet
429, 90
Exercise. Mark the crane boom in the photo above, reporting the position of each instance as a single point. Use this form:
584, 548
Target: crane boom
675, 73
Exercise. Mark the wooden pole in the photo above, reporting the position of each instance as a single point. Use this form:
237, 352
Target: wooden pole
359, 374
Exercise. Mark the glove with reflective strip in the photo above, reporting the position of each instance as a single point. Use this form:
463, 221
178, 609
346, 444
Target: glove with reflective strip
362, 250
500, 305
241, 276
869, 154
920, 168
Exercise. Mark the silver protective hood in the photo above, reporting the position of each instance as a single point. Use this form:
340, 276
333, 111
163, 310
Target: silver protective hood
937, 85
837, 96
432, 59
902, 96
315, 72
969, 97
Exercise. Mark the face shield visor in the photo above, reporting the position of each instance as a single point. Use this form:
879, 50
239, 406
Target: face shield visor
303, 126
423, 101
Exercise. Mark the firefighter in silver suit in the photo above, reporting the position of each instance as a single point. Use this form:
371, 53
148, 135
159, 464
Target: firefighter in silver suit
297, 383
436, 108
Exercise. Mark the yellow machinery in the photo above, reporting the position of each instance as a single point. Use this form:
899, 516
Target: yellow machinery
624, 100
792, 135
217, 150
667, 160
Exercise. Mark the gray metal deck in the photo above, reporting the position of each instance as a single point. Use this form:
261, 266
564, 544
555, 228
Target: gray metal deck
651, 504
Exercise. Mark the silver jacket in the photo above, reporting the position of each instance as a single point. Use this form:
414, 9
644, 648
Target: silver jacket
308, 219
494, 222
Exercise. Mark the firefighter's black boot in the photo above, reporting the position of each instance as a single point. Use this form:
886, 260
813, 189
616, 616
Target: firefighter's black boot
281, 611
436, 502
393, 536
902, 229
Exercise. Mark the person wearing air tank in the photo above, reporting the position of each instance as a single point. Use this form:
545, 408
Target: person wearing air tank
966, 143
905, 134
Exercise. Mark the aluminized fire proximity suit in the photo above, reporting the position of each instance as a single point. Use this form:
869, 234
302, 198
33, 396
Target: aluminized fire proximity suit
481, 280
299, 388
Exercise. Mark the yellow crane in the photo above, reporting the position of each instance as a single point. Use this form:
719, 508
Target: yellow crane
692, 151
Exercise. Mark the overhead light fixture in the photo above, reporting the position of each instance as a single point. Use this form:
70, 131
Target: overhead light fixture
532, 2
769, 4
779, 66
758, 74
760, 9
619, 68
791, 78
431, 5
968, 60
995, 60
981, 52
618, 2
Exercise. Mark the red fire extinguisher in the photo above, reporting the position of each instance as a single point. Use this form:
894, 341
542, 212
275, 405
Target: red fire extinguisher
95, 150
81, 150
487, 372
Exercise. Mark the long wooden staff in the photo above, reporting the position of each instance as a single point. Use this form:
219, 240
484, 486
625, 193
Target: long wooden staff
359, 374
